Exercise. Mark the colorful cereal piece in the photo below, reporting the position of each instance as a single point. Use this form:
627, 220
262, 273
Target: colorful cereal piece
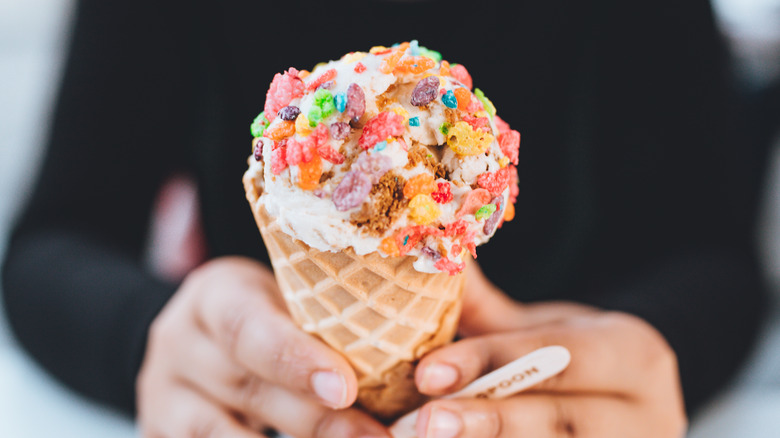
485, 211
280, 130
449, 99
414, 121
485, 102
425, 91
436, 56
473, 201
339, 130
257, 148
456, 228
495, 182
443, 193
430, 252
492, 221
423, 209
464, 98
379, 50
477, 122
446, 265
299, 151
324, 100
389, 247
289, 113
414, 65
502, 126
279, 159
414, 48
302, 125
284, 88
465, 141
444, 69
359, 67
422, 184
509, 212
353, 56
351, 191
378, 128
509, 142
389, 63
503, 162
356, 102
327, 76
459, 72
258, 125
340, 100
373, 165
309, 173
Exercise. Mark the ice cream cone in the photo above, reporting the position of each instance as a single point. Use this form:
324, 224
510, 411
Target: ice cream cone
379, 312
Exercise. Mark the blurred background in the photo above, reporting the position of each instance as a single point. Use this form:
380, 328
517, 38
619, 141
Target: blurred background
33, 37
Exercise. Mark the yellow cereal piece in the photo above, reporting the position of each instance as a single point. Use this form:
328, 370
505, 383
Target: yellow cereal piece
376, 49
464, 141
353, 57
302, 125
503, 162
401, 112
423, 209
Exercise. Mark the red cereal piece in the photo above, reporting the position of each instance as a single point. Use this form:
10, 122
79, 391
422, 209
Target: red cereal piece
497, 181
474, 106
359, 67
501, 124
473, 201
299, 151
442, 91
468, 241
309, 173
462, 75
319, 139
284, 88
443, 193
279, 159
477, 122
378, 128
510, 144
446, 265
456, 228
325, 77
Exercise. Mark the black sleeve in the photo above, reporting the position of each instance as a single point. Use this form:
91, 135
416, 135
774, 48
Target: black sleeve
677, 189
77, 294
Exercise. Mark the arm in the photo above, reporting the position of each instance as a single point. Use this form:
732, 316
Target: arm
77, 294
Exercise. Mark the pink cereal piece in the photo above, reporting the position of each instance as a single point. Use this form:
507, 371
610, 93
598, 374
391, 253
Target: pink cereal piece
462, 75
446, 265
509, 142
496, 181
442, 91
477, 122
514, 189
378, 128
279, 160
359, 67
284, 88
299, 151
325, 77
473, 201
501, 124
319, 137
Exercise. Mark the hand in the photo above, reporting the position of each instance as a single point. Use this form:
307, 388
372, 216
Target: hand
622, 381
224, 360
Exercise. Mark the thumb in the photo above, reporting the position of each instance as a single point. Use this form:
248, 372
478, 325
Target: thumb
486, 309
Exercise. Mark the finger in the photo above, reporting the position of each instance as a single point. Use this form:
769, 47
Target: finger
538, 416
607, 355
254, 398
250, 327
187, 413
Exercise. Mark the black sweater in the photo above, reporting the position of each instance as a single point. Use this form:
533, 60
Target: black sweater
635, 191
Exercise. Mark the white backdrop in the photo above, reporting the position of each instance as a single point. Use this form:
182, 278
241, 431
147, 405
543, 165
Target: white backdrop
32, 37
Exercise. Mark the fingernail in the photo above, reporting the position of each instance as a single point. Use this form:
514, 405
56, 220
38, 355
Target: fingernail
443, 424
330, 387
438, 377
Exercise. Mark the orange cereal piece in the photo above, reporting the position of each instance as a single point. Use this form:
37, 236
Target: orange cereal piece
464, 98
280, 131
389, 63
389, 247
310, 173
415, 65
444, 70
509, 212
303, 74
422, 184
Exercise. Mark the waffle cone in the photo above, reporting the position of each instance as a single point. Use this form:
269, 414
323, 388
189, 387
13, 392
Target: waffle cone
379, 312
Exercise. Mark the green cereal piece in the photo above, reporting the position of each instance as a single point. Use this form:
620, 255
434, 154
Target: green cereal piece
489, 107
324, 100
485, 211
445, 128
315, 116
428, 53
258, 125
